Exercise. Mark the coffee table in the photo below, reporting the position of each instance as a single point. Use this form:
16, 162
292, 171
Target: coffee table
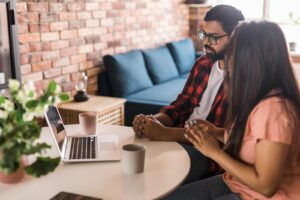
166, 166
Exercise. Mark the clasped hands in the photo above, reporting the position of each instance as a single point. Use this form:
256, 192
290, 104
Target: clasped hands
200, 134
147, 126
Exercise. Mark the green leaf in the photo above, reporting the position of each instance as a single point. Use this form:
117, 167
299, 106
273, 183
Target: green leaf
37, 148
64, 97
42, 166
51, 87
2, 99
32, 104
44, 99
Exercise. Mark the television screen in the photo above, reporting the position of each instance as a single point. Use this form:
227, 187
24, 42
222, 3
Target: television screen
9, 54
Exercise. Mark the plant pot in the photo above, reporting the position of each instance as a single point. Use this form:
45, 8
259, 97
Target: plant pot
16, 176
292, 46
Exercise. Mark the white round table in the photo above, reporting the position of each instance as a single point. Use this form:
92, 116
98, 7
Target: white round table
166, 166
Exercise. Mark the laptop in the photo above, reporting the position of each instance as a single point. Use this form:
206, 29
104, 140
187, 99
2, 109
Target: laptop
88, 148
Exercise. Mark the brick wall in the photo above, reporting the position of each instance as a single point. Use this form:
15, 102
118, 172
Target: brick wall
59, 38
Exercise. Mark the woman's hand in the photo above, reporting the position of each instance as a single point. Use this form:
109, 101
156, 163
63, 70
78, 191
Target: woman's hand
198, 135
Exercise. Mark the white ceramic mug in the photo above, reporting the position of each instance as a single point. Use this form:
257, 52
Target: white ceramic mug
133, 158
88, 122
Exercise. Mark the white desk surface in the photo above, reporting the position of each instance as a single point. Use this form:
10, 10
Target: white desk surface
166, 166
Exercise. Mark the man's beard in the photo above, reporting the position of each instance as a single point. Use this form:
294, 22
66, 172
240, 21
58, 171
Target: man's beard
213, 54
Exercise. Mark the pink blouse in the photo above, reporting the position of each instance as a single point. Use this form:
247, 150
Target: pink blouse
269, 121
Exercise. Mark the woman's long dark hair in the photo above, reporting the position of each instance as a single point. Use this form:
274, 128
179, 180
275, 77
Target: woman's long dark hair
257, 61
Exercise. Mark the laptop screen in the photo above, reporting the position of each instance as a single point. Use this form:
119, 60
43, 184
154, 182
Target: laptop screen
56, 125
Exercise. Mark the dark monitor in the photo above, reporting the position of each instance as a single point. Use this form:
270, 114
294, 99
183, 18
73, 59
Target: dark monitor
9, 46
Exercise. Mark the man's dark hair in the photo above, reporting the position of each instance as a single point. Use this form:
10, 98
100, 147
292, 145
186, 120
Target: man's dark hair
227, 15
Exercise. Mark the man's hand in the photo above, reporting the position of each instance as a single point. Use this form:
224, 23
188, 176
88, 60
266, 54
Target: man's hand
139, 125
154, 130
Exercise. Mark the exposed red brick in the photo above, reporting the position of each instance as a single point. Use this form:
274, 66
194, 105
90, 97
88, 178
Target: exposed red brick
22, 28
74, 35
69, 69
74, 24
63, 79
37, 46
34, 28
24, 59
58, 26
67, 16
68, 51
78, 6
60, 44
61, 62
99, 14
33, 17
50, 36
92, 23
21, 7
56, 7
49, 55
36, 57
24, 48
84, 15
77, 42
25, 69
44, 27
67, 34
41, 66
38, 7
29, 37
46, 46
107, 22
85, 48
51, 73
91, 6
85, 32
32, 77
48, 17
78, 58
105, 6
86, 65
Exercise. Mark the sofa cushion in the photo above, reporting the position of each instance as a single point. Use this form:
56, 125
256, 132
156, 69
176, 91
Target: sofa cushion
162, 94
160, 64
184, 54
127, 73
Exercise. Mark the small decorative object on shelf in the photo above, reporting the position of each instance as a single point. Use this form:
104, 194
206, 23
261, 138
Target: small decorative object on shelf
295, 20
20, 112
196, 1
81, 87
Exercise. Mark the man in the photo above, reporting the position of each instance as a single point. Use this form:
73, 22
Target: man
202, 97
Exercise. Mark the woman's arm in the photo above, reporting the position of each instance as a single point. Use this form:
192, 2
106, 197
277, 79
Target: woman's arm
264, 177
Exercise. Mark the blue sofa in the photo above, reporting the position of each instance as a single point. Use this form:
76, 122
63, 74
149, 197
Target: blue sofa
148, 79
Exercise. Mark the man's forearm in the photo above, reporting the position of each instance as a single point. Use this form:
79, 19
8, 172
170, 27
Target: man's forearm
173, 134
164, 119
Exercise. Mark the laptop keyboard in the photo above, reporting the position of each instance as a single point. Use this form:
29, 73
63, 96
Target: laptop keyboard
83, 148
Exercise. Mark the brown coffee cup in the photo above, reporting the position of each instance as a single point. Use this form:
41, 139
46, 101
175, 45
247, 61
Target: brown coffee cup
88, 122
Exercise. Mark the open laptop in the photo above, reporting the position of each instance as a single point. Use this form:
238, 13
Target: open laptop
89, 148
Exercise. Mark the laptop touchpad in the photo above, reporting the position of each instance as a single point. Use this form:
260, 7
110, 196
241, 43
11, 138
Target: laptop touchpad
107, 146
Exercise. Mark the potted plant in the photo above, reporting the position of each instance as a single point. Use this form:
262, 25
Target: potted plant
295, 21
20, 131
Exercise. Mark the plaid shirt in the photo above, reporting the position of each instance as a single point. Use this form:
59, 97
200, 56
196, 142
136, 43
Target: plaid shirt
181, 109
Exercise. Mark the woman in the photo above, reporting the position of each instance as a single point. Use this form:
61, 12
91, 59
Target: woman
261, 157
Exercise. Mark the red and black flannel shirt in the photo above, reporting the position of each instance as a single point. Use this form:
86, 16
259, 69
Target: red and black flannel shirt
181, 109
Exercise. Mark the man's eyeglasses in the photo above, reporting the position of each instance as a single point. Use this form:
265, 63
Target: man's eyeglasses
212, 39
